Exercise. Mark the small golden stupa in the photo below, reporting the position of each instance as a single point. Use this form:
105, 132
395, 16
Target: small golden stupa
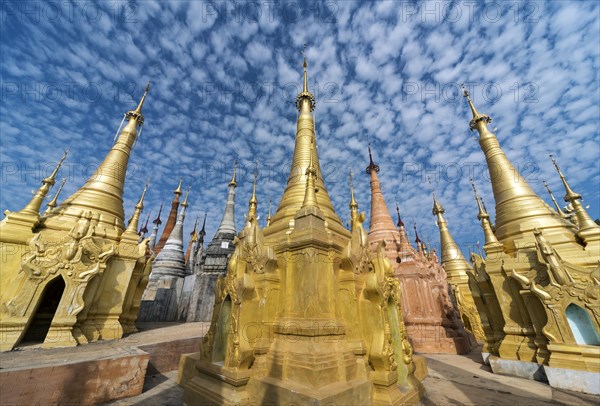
75, 273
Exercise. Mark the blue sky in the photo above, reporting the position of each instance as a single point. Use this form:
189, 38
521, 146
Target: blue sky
225, 76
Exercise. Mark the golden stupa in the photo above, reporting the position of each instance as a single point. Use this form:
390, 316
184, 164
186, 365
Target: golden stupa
459, 274
75, 273
305, 313
545, 274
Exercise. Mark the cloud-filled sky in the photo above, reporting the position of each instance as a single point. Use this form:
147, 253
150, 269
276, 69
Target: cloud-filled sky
224, 79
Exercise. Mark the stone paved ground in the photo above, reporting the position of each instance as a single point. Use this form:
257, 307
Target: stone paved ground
452, 380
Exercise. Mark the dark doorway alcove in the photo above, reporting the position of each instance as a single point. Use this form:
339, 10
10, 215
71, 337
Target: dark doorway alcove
43, 315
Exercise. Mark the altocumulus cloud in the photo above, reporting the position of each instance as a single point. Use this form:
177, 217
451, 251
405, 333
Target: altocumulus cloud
225, 75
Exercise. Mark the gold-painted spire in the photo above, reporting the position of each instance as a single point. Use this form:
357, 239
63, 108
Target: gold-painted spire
437, 206
178, 190
140, 203
185, 200
455, 264
477, 117
232, 182
353, 203
305, 150
519, 210
269, 214
103, 191
304, 65
310, 194
584, 221
556, 205
54, 202
133, 223
253, 202
194, 233
570, 195
34, 205
305, 95
141, 103
484, 217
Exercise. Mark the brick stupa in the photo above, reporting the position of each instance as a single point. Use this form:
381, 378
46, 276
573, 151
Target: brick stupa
431, 319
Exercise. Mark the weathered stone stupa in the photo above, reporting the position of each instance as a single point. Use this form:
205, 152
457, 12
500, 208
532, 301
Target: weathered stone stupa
161, 298
305, 314
430, 316
75, 274
213, 262
544, 272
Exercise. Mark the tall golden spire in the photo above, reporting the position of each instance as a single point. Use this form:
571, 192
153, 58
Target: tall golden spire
587, 227
34, 205
185, 200
518, 209
556, 205
178, 190
133, 223
103, 191
253, 202
193, 239
437, 207
54, 202
305, 150
484, 217
194, 233
269, 215
353, 203
310, 194
452, 257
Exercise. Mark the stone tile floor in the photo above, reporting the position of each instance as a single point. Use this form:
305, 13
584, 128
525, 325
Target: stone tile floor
452, 380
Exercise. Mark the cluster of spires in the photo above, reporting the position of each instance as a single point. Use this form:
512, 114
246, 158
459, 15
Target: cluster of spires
305, 103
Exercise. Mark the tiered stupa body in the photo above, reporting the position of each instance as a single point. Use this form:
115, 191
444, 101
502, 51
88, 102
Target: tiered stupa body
544, 271
429, 313
213, 263
161, 299
83, 269
304, 315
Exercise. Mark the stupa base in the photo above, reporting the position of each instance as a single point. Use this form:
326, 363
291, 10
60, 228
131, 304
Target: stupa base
211, 384
521, 369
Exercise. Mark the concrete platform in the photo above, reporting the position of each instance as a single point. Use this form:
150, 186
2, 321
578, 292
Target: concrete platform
97, 372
